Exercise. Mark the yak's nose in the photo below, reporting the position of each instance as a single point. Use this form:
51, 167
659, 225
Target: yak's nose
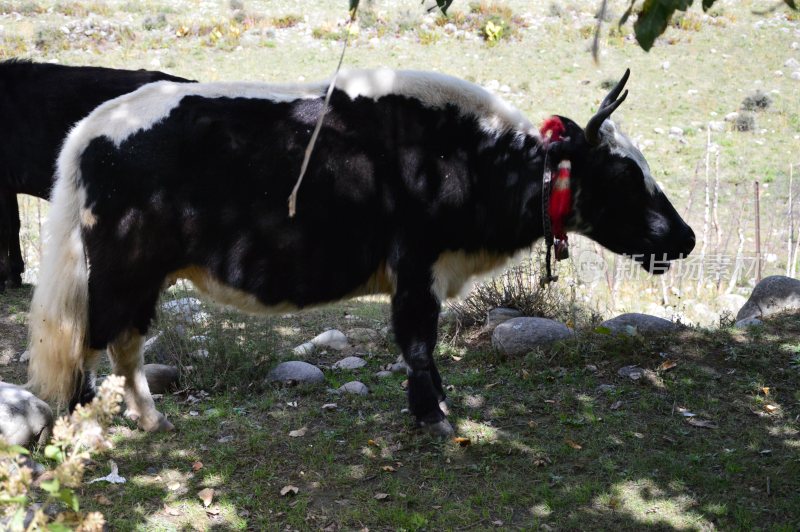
689, 242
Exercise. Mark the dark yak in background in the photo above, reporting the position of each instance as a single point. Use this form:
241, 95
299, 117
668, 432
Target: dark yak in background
39, 103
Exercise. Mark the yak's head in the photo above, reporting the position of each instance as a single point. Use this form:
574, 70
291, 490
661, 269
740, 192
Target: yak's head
617, 203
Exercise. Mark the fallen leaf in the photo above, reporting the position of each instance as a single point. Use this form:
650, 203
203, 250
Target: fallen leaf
404, 384
102, 499
456, 358
293, 404
491, 385
616, 405
497, 522
770, 408
638, 435
765, 390
206, 495
667, 365
389, 469
573, 444
194, 413
701, 423
463, 442
113, 477
371, 442
329, 406
381, 496
289, 490
197, 466
298, 433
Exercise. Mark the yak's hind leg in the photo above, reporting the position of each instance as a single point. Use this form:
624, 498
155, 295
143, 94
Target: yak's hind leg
128, 360
15, 264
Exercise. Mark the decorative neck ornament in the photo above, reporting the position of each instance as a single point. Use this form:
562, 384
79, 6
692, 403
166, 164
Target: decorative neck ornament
556, 197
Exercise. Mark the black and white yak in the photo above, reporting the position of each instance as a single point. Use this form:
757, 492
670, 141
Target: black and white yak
39, 103
417, 182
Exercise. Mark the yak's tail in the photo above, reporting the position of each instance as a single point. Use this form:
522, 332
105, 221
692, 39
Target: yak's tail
59, 310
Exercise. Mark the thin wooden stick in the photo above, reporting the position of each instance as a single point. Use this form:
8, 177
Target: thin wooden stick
318, 127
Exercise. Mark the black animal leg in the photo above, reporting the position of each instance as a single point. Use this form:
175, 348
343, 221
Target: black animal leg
415, 313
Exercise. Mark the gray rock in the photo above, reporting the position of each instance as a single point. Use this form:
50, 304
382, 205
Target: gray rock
151, 342
716, 126
24, 418
641, 323
350, 363
363, 335
184, 310
160, 377
748, 322
517, 336
298, 371
383, 374
332, 339
355, 387
305, 349
496, 316
792, 63
772, 295
399, 366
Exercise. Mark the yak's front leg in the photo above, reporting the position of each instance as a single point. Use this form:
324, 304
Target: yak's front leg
415, 314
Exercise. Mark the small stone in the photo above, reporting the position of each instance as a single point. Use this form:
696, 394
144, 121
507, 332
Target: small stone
496, 316
354, 387
24, 418
520, 335
297, 371
200, 354
792, 63
658, 130
795, 75
332, 339
350, 363
638, 323
675, 130
748, 322
160, 377
632, 372
383, 374
400, 366
305, 349
730, 117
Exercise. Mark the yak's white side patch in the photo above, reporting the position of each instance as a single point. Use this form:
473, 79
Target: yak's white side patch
619, 144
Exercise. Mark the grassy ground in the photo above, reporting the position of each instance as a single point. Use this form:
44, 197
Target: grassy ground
556, 439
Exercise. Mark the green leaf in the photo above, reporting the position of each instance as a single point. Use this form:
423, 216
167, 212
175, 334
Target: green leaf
54, 452
18, 449
654, 18
51, 486
58, 527
19, 499
68, 497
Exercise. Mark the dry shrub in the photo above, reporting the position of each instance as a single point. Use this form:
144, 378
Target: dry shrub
520, 287
75, 440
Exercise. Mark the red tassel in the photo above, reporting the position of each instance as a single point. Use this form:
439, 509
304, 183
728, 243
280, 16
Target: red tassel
552, 129
560, 200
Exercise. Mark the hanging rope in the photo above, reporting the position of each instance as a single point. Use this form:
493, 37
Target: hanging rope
318, 127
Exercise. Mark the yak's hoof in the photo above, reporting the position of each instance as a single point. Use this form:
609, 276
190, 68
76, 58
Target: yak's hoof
440, 429
444, 408
159, 424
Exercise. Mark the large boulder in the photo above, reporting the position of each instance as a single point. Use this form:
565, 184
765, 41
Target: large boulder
24, 418
772, 295
296, 371
517, 336
640, 323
